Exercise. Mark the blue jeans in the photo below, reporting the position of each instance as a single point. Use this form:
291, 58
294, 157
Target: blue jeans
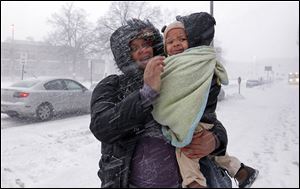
216, 177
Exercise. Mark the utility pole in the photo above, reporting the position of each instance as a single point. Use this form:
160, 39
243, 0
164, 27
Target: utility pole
12, 32
23, 61
212, 8
12, 52
90, 63
212, 14
22, 77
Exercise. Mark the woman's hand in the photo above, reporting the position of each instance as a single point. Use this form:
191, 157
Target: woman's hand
203, 143
152, 72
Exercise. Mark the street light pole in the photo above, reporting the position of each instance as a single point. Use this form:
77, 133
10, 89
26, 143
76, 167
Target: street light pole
12, 32
212, 14
212, 8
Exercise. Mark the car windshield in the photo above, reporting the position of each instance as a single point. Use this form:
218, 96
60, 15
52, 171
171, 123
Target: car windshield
24, 84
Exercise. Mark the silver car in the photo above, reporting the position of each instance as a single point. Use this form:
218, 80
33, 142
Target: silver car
44, 98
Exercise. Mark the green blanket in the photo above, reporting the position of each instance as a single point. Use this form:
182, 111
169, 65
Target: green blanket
184, 92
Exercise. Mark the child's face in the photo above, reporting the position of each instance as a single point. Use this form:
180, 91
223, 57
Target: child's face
141, 52
176, 41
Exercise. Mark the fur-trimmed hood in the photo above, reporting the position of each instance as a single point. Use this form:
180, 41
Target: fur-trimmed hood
120, 39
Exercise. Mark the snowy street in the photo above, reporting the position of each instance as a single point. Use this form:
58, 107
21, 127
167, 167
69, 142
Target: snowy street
262, 125
263, 130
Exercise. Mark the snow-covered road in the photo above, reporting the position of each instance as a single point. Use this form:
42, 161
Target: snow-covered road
262, 125
263, 129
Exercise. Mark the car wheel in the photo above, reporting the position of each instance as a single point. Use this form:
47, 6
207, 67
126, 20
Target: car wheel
44, 112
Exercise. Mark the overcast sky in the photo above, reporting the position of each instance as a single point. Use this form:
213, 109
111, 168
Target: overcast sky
248, 30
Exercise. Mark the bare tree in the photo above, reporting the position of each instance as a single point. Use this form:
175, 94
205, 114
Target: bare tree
119, 12
72, 31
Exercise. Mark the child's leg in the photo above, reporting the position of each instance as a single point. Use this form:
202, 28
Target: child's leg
230, 163
189, 169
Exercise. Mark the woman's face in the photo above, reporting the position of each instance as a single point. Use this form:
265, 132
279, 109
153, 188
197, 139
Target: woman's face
176, 41
141, 51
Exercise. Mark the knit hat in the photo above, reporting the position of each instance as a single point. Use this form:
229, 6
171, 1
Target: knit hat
166, 29
199, 28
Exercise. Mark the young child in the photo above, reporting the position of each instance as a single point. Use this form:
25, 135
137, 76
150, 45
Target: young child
197, 77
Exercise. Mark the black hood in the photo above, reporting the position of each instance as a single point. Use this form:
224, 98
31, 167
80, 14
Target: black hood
120, 39
200, 28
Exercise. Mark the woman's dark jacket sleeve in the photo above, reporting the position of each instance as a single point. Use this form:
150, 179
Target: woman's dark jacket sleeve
210, 116
113, 117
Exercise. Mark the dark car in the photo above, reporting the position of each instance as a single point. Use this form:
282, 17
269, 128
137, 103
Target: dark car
253, 83
43, 98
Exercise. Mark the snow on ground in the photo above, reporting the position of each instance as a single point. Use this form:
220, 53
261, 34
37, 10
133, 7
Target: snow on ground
262, 125
263, 130
58, 153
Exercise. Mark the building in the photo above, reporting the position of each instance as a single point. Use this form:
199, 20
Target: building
42, 59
